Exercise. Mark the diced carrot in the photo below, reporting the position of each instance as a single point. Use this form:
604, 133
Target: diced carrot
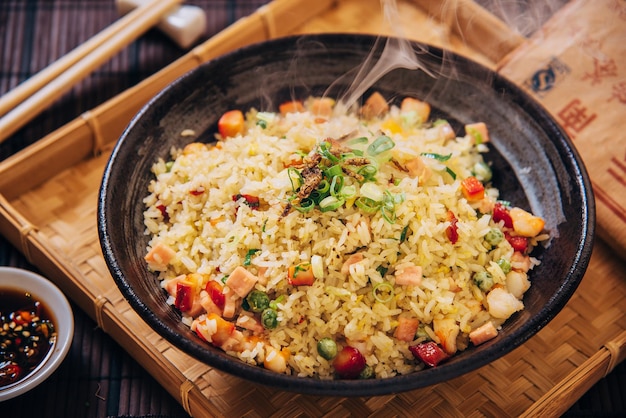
301, 275
231, 123
472, 189
409, 275
292, 106
374, 106
241, 281
406, 329
478, 131
483, 333
421, 109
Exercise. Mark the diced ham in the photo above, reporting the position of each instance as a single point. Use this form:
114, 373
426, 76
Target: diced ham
241, 281
250, 323
406, 329
159, 256
483, 333
421, 109
374, 106
208, 304
230, 305
353, 259
409, 275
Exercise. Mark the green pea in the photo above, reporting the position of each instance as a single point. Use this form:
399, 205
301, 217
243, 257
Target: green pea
258, 300
494, 237
269, 318
483, 280
367, 372
505, 265
327, 348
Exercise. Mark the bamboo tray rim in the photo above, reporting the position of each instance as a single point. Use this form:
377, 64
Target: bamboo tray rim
103, 307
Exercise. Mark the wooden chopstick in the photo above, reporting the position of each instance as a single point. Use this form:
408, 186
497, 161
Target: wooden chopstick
38, 92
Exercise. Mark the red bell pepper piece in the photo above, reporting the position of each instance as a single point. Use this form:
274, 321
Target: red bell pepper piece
452, 231
216, 293
472, 189
501, 213
517, 242
184, 295
429, 353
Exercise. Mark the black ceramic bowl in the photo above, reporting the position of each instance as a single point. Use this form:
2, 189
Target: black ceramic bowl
535, 167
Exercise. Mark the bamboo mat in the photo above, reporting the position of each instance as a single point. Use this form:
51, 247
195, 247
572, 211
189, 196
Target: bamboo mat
101, 379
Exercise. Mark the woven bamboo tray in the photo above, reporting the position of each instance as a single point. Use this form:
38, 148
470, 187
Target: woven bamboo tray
48, 198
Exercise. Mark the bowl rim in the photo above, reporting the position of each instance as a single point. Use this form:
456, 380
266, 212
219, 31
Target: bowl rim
59, 306
342, 387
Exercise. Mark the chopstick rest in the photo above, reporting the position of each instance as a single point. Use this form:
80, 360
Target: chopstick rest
34, 95
184, 24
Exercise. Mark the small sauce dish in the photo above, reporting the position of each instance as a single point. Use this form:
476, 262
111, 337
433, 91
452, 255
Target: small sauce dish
36, 330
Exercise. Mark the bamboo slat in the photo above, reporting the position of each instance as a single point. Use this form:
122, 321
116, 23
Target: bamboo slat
541, 378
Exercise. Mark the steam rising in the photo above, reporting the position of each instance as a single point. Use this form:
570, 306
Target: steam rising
397, 53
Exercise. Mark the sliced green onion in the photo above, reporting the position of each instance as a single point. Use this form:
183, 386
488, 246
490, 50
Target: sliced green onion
357, 141
262, 124
452, 173
438, 157
336, 185
306, 205
381, 144
323, 187
372, 191
389, 213
382, 270
368, 172
383, 292
348, 192
439, 122
403, 233
367, 205
333, 171
317, 265
331, 203
324, 150
248, 259
267, 117
295, 178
